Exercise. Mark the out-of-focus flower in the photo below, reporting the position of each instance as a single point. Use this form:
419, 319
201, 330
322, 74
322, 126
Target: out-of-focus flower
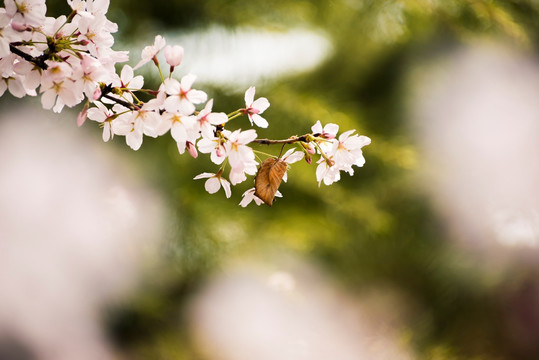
27, 12
149, 52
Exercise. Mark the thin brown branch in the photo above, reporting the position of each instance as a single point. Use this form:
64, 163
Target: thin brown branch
290, 140
38, 61
120, 101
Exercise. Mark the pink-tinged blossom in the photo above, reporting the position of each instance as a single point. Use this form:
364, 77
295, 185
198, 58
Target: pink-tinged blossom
57, 71
173, 55
88, 75
238, 153
206, 120
105, 116
214, 183
28, 12
30, 74
327, 132
7, 34
127, 126
182, 97
149, 52
15, 86
89, 7
215, 147
343, 154
290, 157
347, 151
95, 31
255, 107
327, 172
238, 175
182, 129
250, 196
59, 92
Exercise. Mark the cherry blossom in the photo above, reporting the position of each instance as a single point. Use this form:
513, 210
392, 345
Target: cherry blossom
327, 132
214, 183
149, 52
27, 12
215, 147
255, 107
206, 119
182, 97
7, 34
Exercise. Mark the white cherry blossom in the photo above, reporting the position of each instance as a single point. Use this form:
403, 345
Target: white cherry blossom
214, 183
149, 52
255, 107
182, 97
207, 120
27, 12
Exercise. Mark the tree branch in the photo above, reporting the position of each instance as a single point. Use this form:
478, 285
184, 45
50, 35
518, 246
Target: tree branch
291, 140
39, 61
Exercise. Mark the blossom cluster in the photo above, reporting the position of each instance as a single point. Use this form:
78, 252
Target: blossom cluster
69, 60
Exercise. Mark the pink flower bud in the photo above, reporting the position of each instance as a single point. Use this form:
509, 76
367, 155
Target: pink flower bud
81, 118
173, 55
97, 94
20, 26
308, 158
192, 149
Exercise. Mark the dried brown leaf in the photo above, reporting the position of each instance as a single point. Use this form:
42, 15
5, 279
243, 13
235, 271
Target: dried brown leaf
269, 178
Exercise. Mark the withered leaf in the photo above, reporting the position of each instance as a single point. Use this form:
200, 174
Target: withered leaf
269, 178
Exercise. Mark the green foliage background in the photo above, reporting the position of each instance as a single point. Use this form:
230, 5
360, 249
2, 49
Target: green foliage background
375, 227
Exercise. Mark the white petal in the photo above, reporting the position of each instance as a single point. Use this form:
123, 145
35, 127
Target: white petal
204, 176
249, 96
48, 99
187, 81
127, 74
226, 187
317, 128
259, 121
331, 129
261, 104
96, 114
197, 96
217, 118
247, 136
172, 86
294, 157
134, 139
212, 185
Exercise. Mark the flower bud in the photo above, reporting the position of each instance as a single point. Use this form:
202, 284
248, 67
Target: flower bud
173, 55
192, 149
20, 26
97, 94
81, 118
308, 158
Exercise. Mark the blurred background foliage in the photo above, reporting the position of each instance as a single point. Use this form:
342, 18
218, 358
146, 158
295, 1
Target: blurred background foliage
375, 227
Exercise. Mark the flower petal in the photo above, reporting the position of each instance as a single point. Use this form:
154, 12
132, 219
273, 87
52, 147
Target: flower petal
212, 185
249, 96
